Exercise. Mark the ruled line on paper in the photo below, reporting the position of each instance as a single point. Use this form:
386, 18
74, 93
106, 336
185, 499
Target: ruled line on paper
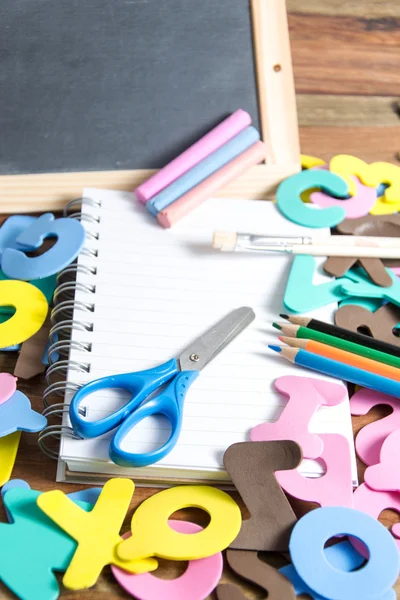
154, 283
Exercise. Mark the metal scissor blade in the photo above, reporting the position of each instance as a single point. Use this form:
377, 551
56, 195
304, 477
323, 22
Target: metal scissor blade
208, 345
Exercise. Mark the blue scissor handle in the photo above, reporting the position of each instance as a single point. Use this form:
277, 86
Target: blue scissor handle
168, 403
140, 383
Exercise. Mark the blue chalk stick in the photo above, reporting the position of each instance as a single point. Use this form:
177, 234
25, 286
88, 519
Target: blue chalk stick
203, 169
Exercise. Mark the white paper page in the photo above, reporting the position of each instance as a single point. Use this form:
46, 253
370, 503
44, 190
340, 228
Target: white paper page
156, 291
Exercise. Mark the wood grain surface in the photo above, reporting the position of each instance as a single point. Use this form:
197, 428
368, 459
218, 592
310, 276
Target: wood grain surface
346, 56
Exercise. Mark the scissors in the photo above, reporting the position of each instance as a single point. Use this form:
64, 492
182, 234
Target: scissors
178, 372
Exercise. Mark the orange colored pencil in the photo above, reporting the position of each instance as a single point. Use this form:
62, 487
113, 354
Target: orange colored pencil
354, 360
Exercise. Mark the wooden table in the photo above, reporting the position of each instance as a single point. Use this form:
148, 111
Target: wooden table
346, 57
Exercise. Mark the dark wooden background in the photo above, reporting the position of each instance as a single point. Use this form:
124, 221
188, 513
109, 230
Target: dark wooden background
346, 56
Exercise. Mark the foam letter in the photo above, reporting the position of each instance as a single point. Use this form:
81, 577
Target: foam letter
152, 536
252, 467
371, 437
335, 488
70, 239
305, 395
307, 542
246, 564
30, 311
97, 532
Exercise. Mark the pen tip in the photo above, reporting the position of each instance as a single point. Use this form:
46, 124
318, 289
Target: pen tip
284, 316
275, 348
276, 325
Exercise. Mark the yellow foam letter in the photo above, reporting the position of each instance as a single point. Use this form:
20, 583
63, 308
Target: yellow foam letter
346, 165
8, 452
97, 532
308, 162
384, 172
31, 310
152, 536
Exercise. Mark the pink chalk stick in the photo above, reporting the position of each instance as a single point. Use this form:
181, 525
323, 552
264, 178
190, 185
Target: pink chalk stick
196, 583
356, 206
385, 476
306, 395
207, 188
335, 488
373, 503
8, 386
213, 140
371, 437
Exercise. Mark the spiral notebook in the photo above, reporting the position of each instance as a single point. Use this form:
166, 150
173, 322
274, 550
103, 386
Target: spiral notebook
142, 294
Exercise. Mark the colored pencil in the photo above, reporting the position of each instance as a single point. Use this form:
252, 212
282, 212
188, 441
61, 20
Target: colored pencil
297, 331
373, 366
351, 336
339, 370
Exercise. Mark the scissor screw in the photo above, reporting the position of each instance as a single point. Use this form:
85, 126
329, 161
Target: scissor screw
194, 357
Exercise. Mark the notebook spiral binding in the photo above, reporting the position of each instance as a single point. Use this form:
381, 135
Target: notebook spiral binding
62, 324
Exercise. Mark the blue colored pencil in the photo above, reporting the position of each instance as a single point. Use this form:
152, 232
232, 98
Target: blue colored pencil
203, 169
339, 370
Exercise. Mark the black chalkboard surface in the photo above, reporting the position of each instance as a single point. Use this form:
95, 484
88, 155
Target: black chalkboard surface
118, 84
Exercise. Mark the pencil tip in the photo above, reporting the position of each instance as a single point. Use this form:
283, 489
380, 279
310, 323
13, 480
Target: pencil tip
276, 325
275, 348
284, 316
281, 338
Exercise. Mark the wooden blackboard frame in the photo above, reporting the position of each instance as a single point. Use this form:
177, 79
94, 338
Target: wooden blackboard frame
279, 129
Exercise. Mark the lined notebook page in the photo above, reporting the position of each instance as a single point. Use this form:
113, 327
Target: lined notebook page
156, 291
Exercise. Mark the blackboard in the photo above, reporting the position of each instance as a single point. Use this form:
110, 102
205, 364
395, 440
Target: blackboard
118, 84
101, 93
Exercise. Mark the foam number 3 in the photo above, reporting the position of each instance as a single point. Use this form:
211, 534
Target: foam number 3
97, 532
307, 542
152, 536
70, 236
247, 565
30, 311
291, 206
252, 467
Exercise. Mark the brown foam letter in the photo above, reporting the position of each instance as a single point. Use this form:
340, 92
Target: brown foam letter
375, 225
252, 467
374, 267
246, 564
379, 323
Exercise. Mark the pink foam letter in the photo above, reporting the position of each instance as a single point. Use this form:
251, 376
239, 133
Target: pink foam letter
196, 583
384, 476
335, 488
356, 206
306, 395
371, 437
8, 386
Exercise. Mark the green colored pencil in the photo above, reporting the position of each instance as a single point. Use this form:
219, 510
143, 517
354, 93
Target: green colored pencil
312, 334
